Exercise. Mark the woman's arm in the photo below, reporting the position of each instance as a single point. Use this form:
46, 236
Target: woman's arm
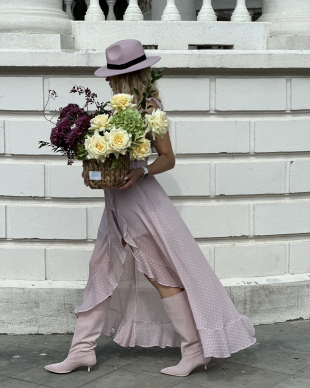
164, 162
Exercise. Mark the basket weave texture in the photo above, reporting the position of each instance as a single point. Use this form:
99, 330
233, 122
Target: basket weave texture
109, 178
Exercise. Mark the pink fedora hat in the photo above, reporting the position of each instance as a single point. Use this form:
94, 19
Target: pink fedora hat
125, 56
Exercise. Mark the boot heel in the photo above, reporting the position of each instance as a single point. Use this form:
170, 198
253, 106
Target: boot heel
205, 366
89, 369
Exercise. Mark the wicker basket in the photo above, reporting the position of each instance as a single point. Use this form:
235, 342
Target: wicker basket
98, 175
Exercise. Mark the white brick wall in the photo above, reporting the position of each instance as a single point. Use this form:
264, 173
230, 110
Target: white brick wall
186, 179
21, 93
22, 179
212, 136
245, 94
67, 264
242, 159
2, 221
300, 93
239, 178
250, 260
22, 263
216, 220
282, 135
47, 222
22, 137
185, 93
1, 136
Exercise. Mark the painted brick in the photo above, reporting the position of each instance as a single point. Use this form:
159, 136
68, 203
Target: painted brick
206, 221
282, 217
22, 263
47, 222
67, 264
250, 178
240, 260
2, 221
22, 179
300, 257
21, 93
282, 135
212, 136
1, 136
300, 94
299, 176
94, 216
22, 137
66, 182
186, 179
255, 94
63, 85
206, 251
176, 93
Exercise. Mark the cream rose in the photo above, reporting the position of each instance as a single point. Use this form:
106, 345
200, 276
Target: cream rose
121, 101
157, 123
142, 150
96, 146
118, 141
100, 122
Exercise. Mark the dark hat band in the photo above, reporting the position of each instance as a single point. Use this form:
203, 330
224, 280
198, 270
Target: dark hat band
127, 64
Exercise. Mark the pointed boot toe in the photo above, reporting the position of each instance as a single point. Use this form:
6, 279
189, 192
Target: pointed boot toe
72, 362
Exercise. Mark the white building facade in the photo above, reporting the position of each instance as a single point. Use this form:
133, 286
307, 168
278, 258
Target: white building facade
237, 93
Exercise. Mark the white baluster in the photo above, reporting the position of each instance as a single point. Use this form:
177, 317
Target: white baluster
68, 4
133, 11
241, 13
206, 12
87, 3
111, 15
171, 12
94, 12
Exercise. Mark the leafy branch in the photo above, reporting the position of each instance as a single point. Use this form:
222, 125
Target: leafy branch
149, 91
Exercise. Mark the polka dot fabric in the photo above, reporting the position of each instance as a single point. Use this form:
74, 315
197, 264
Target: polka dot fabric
160, 245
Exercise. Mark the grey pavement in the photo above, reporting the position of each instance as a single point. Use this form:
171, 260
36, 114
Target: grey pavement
280, 358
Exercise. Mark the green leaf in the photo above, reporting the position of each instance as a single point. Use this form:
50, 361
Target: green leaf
136, 91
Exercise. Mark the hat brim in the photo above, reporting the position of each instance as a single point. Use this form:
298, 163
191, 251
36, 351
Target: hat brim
105, 72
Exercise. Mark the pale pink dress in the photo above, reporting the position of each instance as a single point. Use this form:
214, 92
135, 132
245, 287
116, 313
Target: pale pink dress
165, 250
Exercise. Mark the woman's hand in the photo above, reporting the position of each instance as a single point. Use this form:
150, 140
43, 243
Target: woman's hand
133, 175
84, 179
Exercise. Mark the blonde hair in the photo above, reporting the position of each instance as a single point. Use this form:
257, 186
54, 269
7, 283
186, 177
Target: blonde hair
124, 83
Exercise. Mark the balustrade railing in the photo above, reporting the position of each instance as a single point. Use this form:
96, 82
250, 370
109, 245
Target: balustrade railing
172, 10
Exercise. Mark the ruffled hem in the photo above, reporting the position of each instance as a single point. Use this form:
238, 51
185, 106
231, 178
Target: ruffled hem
221, 343
129, 333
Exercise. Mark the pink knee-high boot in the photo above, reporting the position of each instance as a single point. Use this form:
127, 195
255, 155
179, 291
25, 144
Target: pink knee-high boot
88, 328
180, 313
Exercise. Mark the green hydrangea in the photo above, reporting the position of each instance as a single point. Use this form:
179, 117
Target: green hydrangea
129, 119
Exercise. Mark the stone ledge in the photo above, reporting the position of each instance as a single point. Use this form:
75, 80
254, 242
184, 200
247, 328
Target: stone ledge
45, 307
173, 59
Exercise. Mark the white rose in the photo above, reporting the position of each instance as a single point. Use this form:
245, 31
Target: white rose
96, 146
118, 141
157, 123
142, 150
121, 101
100, 122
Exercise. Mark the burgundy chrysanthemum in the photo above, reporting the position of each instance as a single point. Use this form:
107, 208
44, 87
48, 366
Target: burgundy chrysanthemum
83, 122
71, 110
57, 137
64, 124
73, 137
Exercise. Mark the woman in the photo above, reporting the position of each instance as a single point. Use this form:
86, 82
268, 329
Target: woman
148, 278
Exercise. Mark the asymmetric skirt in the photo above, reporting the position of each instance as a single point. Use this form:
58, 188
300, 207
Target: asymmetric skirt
160, 245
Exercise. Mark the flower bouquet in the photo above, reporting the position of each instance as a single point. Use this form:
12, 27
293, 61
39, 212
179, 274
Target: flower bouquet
108, 139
